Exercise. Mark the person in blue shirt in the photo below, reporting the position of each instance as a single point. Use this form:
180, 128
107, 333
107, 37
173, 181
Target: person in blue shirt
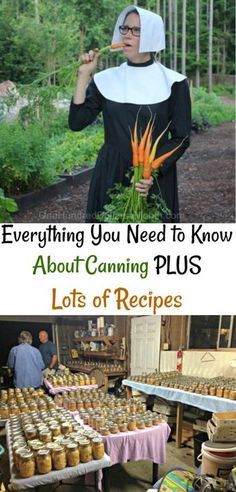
26, 362
48, 350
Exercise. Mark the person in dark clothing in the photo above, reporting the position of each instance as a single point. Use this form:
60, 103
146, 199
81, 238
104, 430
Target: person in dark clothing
48, 350
140, 86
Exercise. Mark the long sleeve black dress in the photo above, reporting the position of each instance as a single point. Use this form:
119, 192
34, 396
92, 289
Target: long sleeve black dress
115, 156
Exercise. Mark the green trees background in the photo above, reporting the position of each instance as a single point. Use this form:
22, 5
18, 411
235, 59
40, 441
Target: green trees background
42, 35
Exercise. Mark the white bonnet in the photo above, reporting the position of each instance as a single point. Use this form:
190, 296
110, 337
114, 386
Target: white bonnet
152, 37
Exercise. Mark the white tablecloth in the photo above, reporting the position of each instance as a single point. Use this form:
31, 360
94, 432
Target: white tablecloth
205, 402
53, 476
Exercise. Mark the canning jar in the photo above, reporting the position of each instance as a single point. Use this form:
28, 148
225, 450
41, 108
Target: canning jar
98, 448
58, 458
140, 424
132, 424
66, 427
44, 461
45, 435
104, 431
123, 427
26, 464
55, 430
85, 450
72, 454
4, 412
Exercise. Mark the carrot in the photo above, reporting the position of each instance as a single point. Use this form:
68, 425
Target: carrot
116, 46
143, 142
146, 164
134, 144
159, 161
154, 148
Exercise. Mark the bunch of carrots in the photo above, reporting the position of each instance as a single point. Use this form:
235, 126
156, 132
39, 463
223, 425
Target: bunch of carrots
145, 164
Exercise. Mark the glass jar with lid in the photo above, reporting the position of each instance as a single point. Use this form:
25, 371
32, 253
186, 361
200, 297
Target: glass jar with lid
58, 458
98, 448
4, 411
72, 454
55, 430
66, 427
44, 461
26, 464
132, 423
45, 436
140, 424
85, 450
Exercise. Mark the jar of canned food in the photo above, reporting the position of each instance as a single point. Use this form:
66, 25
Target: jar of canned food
4, 412
72, 454
220, 392
44, 461
30, 432
26, 464
140, 424
132, 424
45, 436
66, 427
98, 448
55, 430
104, 431
85, 450
232, 394
114, 429
58, 458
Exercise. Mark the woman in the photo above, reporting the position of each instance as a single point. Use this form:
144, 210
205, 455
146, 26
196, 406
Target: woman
140, 86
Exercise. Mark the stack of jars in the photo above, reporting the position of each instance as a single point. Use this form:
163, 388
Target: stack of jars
52, 440
25, 400
63, 379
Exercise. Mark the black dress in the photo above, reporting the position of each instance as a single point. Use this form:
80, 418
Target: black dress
115, 156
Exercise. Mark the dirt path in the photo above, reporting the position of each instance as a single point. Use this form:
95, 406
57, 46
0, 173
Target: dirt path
206, 175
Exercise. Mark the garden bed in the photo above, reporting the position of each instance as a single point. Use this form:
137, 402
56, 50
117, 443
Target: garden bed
32, 199
206, 185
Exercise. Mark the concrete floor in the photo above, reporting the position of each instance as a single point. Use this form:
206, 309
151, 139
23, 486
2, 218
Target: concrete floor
128, 477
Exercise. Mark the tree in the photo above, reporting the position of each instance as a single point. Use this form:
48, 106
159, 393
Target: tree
211, 6
184, 5
197, 81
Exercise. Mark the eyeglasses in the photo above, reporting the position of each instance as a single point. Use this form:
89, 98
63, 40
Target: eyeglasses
134, 30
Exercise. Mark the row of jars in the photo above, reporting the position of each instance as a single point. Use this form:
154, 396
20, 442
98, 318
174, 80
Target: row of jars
112, 423
26, 406
41, 456
60, 379
14, 394
107, 367
219, 386
96, 400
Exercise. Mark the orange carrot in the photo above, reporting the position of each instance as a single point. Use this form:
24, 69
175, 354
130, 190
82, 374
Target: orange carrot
116, 46
134, 144
147, 150
154, 148
159, 161
143, 143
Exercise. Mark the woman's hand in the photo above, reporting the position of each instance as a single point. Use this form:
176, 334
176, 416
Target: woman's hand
144, 185
89, 63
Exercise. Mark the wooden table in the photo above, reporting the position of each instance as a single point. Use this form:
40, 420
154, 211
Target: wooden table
204, 402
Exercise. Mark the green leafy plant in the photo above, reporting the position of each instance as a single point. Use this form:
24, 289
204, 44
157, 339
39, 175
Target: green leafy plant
7, 207
23, 158
76, 150
210, 107
152, 210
